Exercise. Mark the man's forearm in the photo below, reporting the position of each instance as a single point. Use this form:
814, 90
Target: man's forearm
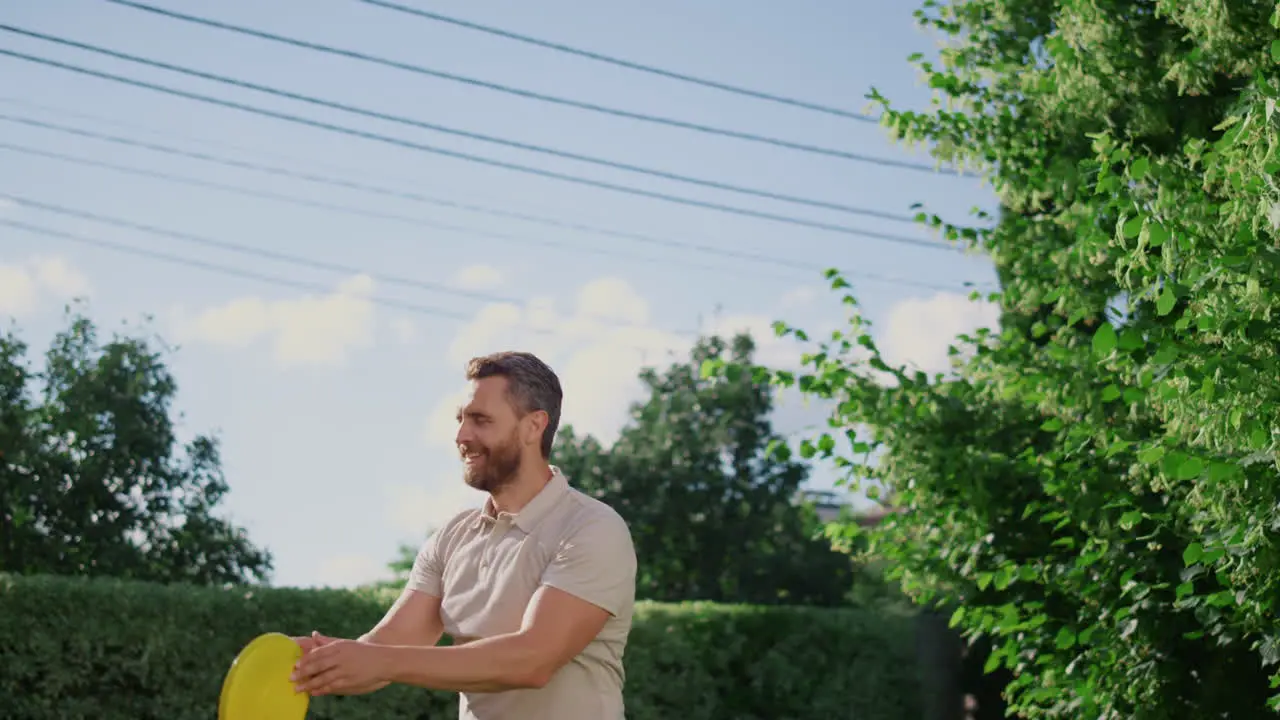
504, 662
379, 636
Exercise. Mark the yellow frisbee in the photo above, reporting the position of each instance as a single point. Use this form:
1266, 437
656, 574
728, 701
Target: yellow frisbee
257, 686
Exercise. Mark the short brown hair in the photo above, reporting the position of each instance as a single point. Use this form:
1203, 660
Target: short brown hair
531, 385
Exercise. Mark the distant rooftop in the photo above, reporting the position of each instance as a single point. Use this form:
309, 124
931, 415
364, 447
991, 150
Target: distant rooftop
829, 505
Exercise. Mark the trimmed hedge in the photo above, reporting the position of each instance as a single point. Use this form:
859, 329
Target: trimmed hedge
114, 650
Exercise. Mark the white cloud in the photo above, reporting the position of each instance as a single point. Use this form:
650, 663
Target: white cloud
18, 292
405, 330
348, 570
478, 277
415, 510
312, 330
919, 331
60, 278
597, 347
799, 297
24, 285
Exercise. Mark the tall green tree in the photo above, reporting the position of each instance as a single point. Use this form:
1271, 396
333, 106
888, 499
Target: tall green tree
92, 479
401, 566
714, 514
1095, 490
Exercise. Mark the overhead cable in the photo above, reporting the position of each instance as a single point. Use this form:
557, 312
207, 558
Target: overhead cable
398, 142
278, 281
528, 94
640, 67
296, 260
481, 137
773, 261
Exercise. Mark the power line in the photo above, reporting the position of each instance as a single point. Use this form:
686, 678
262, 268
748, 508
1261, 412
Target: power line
272, 255
417, 197
528, 94
187, 138
339, 182
256, 252
759, 95
333, 207
223, 269
745, 212
480, 137
274, 280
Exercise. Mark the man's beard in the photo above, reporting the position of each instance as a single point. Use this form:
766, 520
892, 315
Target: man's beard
498, 466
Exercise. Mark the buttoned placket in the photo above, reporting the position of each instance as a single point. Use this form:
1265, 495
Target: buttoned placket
498, 529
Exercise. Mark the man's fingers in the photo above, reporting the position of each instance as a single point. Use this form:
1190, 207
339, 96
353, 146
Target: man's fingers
318, 684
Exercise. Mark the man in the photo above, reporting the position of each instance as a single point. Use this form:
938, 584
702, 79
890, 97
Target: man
537, 588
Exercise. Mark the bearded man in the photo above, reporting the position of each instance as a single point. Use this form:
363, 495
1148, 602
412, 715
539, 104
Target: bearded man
536, 588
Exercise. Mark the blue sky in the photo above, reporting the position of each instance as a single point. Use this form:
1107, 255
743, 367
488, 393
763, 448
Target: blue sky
333, 410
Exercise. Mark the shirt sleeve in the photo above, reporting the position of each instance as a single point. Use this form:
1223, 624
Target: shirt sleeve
597, 564
427, 575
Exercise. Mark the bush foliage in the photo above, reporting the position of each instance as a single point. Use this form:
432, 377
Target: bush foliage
1096, 487
73, 649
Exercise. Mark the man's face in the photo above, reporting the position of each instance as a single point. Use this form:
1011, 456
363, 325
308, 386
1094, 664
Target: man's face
489, 436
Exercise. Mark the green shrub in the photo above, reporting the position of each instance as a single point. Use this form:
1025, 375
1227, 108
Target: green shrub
115, 650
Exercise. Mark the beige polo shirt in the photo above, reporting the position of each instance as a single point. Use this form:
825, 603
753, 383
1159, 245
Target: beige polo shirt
486, 567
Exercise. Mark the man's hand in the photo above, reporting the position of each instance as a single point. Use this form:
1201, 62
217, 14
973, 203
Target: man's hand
306, 642
339, 667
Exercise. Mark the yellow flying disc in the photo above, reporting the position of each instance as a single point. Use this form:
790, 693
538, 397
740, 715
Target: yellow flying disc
257, 686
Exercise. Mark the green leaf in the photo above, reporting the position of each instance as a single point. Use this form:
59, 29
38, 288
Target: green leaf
1138, 169
711, 367
1117, 447
1167, 353
1191, 468
1157, 235
1130, 519
1219, 471
1164, 305
1066, 639
1275, 51
826, 443
1052, 425
1133, 226
1131, 339
1192, 554
1151, 455
1104, 340
1110, 392
1259, 438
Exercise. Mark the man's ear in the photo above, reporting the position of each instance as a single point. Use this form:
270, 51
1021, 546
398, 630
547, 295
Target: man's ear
534, 424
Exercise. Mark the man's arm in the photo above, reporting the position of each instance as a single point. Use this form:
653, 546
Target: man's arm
414, 619
591, 579
557, 626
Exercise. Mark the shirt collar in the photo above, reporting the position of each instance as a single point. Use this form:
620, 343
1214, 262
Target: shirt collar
537, 508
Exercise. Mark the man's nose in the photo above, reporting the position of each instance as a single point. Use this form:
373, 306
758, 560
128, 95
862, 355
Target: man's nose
465, 433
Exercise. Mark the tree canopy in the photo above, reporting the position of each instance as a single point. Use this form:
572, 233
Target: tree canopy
92, 478
1094, 489
714, 514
